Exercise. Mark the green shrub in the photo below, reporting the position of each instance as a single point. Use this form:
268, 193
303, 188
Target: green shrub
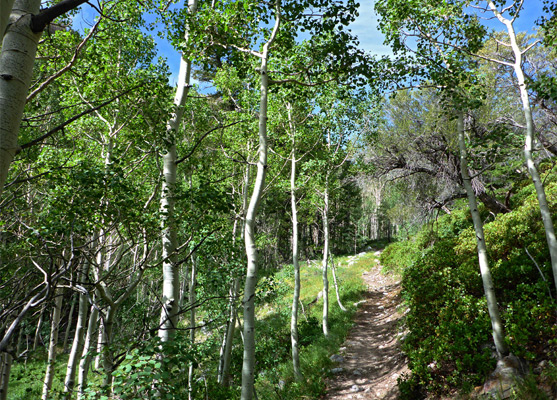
449, 338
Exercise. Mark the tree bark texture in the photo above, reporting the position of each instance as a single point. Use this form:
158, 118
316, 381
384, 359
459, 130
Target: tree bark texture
248, 365
325, 262
171, 276
87, 357
226, 348
77, 344
493, 309
335, 282
54, 328
37, 336
295, 262
69, 324
16, 71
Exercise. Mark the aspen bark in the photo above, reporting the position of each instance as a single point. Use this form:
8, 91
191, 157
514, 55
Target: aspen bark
335, 282
493, 309
295, 262
17, 57
191, 299
530, 133
108, 357
77, 344
248, 365
54, 328
223, 377
69, 325
86, 356
325, 261
37, 336
100, 344
226, 348
171, 278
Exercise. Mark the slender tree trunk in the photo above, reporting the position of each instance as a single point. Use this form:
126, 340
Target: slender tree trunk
108, 357
192, 299
171, 276
77, 344
529, 141
248, 365
5, 368
37, 336
325, 261
87, 357
226, 348
493, 309
69, 325
295, 261
100, 344
54, 327
223, 376
335, 282
97, 275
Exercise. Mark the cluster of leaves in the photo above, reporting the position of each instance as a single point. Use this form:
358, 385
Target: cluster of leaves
449, 341
143, 373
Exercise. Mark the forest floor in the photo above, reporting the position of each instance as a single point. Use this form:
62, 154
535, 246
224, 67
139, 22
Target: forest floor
370, 360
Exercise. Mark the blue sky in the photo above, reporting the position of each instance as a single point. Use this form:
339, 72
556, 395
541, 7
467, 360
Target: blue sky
365, 27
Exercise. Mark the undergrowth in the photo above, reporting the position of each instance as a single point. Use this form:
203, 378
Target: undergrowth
140, 373
275, 379
449, 343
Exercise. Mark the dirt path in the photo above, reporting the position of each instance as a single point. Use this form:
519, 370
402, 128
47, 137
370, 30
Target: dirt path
370, 360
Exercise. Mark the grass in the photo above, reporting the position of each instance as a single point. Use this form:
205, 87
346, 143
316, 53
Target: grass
277, 381
274, 374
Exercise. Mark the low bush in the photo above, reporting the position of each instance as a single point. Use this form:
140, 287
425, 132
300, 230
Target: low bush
449, 342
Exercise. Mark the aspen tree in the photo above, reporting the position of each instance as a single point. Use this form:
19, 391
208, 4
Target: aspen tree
171, 279
530, 131
54, 328
17, 57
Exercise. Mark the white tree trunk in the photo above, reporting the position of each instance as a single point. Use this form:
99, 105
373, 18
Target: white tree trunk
86, 358
248, 370
38, 329
69, 325
54, 327
16, 70
192, 299
77, 344
226, 348
100, 342
171, 276
493, 309
295, 261
108, 357
336, 283
529, 141
325, 261
223, 376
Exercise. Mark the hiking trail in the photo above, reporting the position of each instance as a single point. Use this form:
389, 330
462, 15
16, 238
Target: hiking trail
370, 361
